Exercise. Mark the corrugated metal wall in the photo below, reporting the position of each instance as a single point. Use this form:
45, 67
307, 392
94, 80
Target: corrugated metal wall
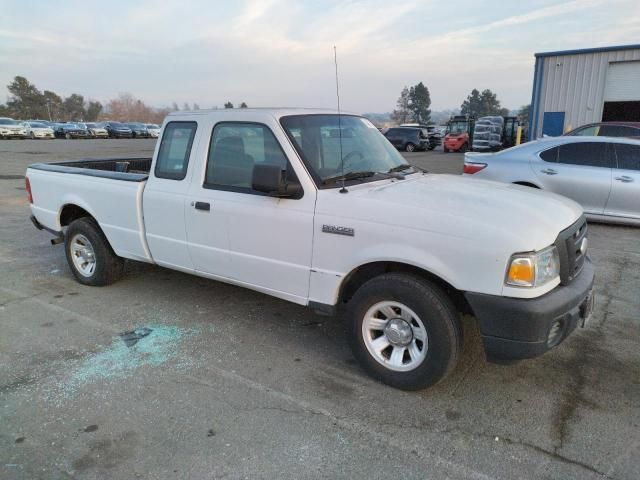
574, 84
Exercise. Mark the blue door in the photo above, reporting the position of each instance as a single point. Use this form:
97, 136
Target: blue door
553, 124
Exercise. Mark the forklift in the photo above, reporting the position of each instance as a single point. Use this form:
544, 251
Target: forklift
459, 133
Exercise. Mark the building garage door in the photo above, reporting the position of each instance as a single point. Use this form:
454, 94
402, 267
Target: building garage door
622, 92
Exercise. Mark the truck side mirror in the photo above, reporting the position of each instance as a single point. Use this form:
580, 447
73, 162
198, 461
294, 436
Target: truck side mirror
272, 180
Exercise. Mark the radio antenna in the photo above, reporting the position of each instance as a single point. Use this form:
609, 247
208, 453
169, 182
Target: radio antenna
335, 61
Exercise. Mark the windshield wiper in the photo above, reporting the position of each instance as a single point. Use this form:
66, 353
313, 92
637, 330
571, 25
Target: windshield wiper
405, 166
348, 176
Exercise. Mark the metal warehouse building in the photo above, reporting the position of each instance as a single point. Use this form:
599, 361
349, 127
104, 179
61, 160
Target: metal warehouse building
576, 87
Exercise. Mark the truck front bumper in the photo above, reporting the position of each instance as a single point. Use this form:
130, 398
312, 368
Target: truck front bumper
514, 328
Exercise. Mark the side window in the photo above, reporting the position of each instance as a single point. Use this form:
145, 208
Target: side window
619, 131
234, 150
592, 131
628, 156
175, 148
550, 155
588, 154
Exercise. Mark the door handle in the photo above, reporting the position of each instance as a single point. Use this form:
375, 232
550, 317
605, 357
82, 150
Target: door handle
206, 206
624, 179
549, 171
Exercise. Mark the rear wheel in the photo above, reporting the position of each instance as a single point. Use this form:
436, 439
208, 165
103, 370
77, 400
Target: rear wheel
90, 257
404, 331
410, 147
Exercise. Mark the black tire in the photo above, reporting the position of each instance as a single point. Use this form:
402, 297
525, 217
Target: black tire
108, 266
445, 149
464, 148
410, 147
437, 313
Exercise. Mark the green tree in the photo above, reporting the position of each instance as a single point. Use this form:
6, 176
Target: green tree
482, 104
524, 111
402, 113
228, 105
93, 111
25, 100
73, 107
419, 103
175, 107
196, 106
186, 106
53, 109
472, 106
244, 105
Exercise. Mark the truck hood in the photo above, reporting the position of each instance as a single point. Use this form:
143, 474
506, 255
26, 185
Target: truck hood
472, 208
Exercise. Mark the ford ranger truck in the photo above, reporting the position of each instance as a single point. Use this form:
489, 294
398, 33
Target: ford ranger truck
319, 209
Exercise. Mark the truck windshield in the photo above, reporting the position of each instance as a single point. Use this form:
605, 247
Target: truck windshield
364, 149
458, 127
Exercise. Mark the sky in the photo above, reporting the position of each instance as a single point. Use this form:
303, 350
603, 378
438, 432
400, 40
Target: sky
280, 52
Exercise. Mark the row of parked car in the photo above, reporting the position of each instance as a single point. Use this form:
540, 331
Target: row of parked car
43, 129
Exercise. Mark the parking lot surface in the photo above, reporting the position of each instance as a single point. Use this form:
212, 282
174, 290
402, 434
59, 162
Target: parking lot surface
231, 383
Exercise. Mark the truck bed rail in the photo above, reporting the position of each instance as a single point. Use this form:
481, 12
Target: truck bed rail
127, 169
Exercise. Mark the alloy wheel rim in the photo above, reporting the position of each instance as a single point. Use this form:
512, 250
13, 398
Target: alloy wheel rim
395, 336
83, 255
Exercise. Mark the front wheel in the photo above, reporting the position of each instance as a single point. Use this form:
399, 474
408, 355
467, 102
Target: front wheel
90, 257
410, 147
404, 331
464, 148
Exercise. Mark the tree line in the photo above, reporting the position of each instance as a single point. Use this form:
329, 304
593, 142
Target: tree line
414, 102
27, 102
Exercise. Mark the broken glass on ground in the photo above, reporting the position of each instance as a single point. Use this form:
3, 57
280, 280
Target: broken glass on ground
131, 337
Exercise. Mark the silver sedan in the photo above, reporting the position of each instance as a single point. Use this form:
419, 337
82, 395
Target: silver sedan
600, 173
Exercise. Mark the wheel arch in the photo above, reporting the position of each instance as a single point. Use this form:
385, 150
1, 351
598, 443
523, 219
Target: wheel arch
365, 272
72, 211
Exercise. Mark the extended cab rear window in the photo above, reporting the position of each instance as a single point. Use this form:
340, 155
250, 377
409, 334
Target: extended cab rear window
175, 149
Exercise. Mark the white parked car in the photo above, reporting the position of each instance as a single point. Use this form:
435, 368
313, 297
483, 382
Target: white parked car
96, 131
153, 129
274, 201
37, 130
600, 173
10, 128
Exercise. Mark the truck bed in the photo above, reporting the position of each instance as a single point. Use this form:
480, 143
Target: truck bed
127, 169
110, 190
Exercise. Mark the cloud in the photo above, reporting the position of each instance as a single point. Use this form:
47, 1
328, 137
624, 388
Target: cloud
280, 52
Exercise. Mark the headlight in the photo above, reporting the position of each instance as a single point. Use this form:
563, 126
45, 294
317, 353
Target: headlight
533, 269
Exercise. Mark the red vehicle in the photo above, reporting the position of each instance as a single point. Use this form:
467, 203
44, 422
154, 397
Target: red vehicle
608, 129
459, 134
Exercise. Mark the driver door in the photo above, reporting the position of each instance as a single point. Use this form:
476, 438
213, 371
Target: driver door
269, 239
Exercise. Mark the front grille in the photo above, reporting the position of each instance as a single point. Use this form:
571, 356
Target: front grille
570, 250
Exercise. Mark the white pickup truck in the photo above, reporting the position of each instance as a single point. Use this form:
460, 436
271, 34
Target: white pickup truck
319, 209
